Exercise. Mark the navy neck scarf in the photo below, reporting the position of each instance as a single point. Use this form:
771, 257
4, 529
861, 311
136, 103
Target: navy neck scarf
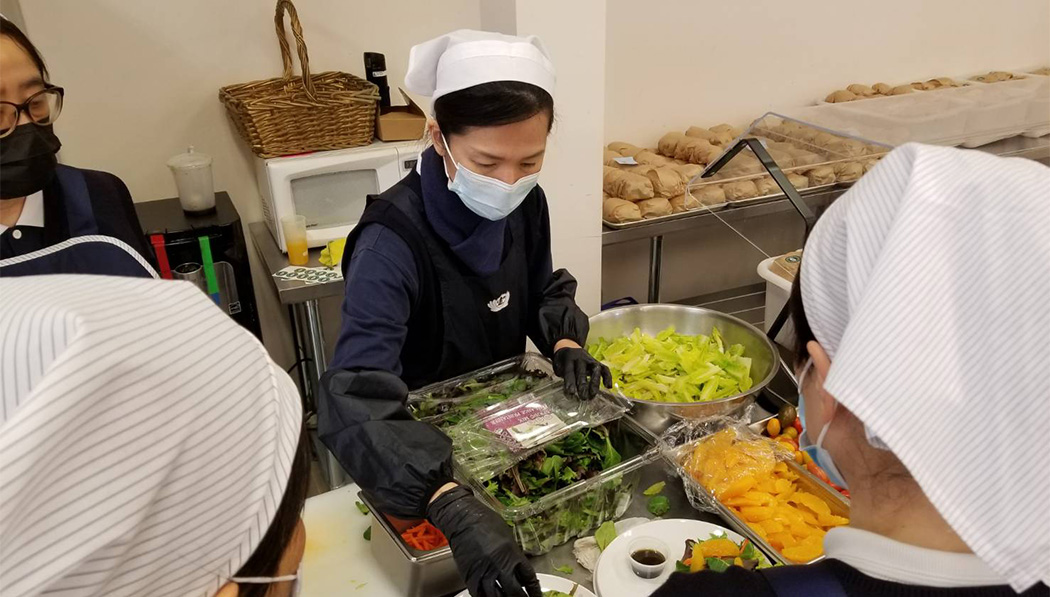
476, 241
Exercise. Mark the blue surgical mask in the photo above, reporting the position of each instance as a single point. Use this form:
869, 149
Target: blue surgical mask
295, 579
488, 197
817, 452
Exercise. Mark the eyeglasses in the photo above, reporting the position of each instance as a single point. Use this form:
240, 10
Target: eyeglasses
42, 108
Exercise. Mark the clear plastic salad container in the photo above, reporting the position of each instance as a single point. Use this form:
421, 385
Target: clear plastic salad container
492, 439
449, 401
571, 511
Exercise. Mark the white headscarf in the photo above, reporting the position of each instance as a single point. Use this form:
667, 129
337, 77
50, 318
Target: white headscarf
145, 438
466, 58
928, 283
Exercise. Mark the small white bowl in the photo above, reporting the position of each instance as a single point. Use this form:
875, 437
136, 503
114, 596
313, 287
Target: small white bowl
647, 571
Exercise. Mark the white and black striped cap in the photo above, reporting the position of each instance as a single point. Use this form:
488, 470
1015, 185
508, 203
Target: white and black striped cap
145, 442
928, 283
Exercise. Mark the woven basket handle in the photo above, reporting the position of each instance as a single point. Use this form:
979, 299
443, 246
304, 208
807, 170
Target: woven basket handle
300, 45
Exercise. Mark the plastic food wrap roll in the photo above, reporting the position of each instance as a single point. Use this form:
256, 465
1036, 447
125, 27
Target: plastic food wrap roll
668, 145
821, 175
618, 211
667, 182
652, 208
626, 185
740, 190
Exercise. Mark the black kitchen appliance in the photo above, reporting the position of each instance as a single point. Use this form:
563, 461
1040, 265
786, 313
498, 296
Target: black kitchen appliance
375, 72
208, 250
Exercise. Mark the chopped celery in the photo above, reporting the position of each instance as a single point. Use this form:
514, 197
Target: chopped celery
672, 367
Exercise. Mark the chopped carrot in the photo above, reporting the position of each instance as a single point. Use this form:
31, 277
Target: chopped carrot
424, 537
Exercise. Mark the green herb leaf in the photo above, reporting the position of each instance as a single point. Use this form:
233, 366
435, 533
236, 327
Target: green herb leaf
679, 566
368, 534
748, 552
564, 569
655, 488
716, 564
659, 505
361, 507
605, 534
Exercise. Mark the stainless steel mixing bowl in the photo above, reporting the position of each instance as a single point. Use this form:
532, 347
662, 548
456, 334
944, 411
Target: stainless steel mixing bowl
653, 319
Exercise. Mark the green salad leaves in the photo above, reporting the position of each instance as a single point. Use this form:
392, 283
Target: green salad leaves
673, 367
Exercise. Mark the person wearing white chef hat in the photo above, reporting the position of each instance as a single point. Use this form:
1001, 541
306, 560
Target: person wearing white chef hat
148, 445
921, 316
450, 271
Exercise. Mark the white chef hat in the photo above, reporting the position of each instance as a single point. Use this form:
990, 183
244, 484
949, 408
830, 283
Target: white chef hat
146, 439
927, 283
466, 58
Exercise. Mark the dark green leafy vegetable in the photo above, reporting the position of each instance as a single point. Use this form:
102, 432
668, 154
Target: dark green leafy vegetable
579, 456
605, 534
564, 569
368, 534
361, 507
456, 403
655, 489
659, 505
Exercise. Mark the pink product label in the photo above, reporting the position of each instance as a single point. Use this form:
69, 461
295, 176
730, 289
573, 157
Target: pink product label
524, 427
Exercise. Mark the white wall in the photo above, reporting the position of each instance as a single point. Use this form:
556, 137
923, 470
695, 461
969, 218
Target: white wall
142, 81
675, 63
574, 34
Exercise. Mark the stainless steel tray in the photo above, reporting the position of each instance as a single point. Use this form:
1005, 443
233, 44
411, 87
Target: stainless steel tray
838, 504
415, 573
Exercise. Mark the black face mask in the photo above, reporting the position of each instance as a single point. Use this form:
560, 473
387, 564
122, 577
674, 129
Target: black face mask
27, 160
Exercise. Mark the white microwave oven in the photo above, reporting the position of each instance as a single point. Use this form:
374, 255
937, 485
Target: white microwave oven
329, 187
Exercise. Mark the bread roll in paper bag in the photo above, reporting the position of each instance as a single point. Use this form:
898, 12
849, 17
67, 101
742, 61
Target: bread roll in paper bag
609, 158
624, 149
689, 171
667, 182
668, 144
647, 156
626, 185
821, 175
618, 211
798, 181
710, 194
652, 208
848, 171
740, 190
684, 202
700, 133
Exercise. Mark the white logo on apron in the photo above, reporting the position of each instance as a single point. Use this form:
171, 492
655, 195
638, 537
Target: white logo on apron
500, 302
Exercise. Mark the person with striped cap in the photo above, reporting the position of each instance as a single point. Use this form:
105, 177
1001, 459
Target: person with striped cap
148, 445
921, 317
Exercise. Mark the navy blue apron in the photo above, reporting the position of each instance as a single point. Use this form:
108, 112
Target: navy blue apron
462, 321
86, 252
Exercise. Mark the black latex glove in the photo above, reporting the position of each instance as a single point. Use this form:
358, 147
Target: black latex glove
581, 372
483, 547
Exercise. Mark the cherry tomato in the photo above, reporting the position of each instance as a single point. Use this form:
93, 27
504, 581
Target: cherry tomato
818, 472
845, 493
791, 432
787, 440
798, 457
798, 425
773, 427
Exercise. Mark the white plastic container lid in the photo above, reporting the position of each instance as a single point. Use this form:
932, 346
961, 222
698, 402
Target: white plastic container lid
189, 160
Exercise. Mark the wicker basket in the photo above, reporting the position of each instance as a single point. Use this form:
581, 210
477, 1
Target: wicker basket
288, 115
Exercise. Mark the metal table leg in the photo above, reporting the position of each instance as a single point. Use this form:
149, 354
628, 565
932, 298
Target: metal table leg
656, 254
308, 316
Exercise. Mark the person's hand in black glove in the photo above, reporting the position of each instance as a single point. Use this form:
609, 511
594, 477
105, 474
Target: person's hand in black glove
580, 371
483, 547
